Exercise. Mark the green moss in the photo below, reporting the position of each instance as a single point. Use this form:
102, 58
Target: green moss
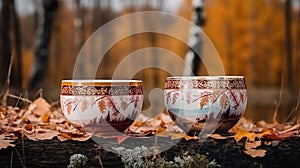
134, 158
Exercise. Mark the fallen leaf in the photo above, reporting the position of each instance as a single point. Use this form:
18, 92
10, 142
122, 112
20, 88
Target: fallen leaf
256, 152
64, 136
28, 127
46, 135
40, 106
242, 134
252, 144
45, 118
282, 136
82, 138
183, 135
220, 137
5, 142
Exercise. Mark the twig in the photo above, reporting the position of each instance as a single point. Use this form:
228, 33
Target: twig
277, 103
295, 109
20, 98
11, 157
100, 162
4, 99
23, 150
293, 128
21, 160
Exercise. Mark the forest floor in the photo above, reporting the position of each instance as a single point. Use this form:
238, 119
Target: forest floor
226, 153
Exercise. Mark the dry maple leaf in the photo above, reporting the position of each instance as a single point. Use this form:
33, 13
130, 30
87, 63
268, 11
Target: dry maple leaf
5, 141
252, 144
241, 134
42, 135
256, 152
40, 106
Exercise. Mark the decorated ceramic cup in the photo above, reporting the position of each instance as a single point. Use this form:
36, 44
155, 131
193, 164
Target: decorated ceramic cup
210, 103
101, 106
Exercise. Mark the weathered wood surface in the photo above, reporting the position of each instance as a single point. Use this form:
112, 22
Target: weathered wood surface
227, 153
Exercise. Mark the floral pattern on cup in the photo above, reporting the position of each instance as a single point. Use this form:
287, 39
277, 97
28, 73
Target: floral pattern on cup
109, 110
194, 101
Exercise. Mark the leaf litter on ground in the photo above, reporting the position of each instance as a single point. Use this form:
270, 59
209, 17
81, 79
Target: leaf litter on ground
39, 121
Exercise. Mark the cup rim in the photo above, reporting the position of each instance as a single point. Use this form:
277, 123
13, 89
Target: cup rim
225, 77
92, 82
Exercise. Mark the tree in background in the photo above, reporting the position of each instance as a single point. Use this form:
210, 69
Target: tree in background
45, 25
10, 47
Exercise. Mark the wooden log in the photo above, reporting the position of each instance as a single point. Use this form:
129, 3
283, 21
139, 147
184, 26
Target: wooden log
227, 153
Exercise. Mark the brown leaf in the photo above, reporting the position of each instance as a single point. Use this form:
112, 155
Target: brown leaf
183, 135
5, 142
218, 136
45, 118
252, 144
28, 127
40, 106
256, 152
25, 120
64, 136
46, 135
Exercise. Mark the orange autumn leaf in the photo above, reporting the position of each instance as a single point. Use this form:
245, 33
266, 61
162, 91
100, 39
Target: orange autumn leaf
242, 134
29, 127
45, 118
25, 120
160, 130
187, 137
183, 135
177, 136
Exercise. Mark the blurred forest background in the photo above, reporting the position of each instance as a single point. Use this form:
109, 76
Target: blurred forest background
259, 39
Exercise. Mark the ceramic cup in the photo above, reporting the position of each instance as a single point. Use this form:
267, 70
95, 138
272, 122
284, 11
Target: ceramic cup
213, 103
101, 106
